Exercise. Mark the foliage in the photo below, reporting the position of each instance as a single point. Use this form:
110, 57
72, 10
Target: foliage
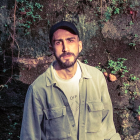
115, 7
108, 13
15, 20
133, 43
2, 86
133, 78
126, 86
136, 35
117, 67
27, 14
85, 61
101, 67
138, 110
131, 23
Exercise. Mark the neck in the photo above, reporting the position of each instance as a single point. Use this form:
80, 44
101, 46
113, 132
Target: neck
67, 73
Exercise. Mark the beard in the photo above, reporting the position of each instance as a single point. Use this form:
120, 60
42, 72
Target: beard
67, 63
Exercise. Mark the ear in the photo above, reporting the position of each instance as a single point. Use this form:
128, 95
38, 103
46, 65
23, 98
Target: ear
80, 46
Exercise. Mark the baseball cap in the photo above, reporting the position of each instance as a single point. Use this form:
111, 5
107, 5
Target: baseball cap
63, 25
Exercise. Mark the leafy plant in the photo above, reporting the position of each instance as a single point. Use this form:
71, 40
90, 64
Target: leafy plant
114, 7
117, 67
85, 61
101, 68
131, 23
28, 11
117, 11
126, 86
136, 35
132, 44
138, 110
20, 17
133, 41
108, 13
135, 93
2, 86
132, 77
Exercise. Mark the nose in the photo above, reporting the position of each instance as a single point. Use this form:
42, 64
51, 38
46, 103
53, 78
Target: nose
65, 47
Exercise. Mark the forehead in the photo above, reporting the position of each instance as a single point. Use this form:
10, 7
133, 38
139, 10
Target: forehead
62, 33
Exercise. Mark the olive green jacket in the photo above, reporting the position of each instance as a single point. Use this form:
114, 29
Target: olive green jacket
47, 114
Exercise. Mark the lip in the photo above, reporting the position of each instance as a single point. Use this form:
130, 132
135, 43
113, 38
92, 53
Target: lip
67, 56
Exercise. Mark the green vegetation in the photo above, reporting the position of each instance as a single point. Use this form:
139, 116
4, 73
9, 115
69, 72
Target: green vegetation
126, 87
100, 67
131, 23
108, 13
114, 7
31, 21
2, 86
136, 35
133, 78
115, 67
16, 21
138, 110
131, 82
85, 61
133, 43
28, 14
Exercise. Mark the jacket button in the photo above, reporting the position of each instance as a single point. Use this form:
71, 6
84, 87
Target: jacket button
73, 125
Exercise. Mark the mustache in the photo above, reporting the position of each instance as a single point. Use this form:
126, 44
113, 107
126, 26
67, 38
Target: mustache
66, 53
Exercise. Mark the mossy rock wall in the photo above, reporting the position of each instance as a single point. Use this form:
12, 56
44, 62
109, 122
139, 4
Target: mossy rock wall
107, 33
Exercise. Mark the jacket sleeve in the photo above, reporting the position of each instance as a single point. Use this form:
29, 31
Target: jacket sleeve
32, 116
107, 116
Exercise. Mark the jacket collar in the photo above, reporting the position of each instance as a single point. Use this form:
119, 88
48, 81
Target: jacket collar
50, 79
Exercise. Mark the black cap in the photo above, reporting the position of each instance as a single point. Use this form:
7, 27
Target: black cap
63, 25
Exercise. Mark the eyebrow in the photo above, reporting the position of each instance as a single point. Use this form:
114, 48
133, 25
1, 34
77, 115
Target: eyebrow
66, 39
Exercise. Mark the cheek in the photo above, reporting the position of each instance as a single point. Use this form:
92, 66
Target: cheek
57, 52
74, 47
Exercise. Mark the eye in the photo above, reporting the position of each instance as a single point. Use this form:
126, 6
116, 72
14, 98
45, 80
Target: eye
57, 42
71, 40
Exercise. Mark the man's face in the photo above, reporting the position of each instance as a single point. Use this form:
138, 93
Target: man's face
66, 48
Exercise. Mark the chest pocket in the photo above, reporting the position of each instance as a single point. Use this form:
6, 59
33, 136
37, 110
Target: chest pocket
57, 125
94, 116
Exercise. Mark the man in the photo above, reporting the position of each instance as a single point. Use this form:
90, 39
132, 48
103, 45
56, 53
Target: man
69, 101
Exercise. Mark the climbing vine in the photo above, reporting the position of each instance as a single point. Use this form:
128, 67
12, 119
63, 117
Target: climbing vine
19, 19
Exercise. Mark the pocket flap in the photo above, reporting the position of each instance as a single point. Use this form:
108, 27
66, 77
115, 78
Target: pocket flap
55, 112
95, 106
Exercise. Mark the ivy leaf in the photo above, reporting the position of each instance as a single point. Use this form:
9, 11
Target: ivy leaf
131, 23
117, 11
6, 86
136, 35
126, 91
4, 70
